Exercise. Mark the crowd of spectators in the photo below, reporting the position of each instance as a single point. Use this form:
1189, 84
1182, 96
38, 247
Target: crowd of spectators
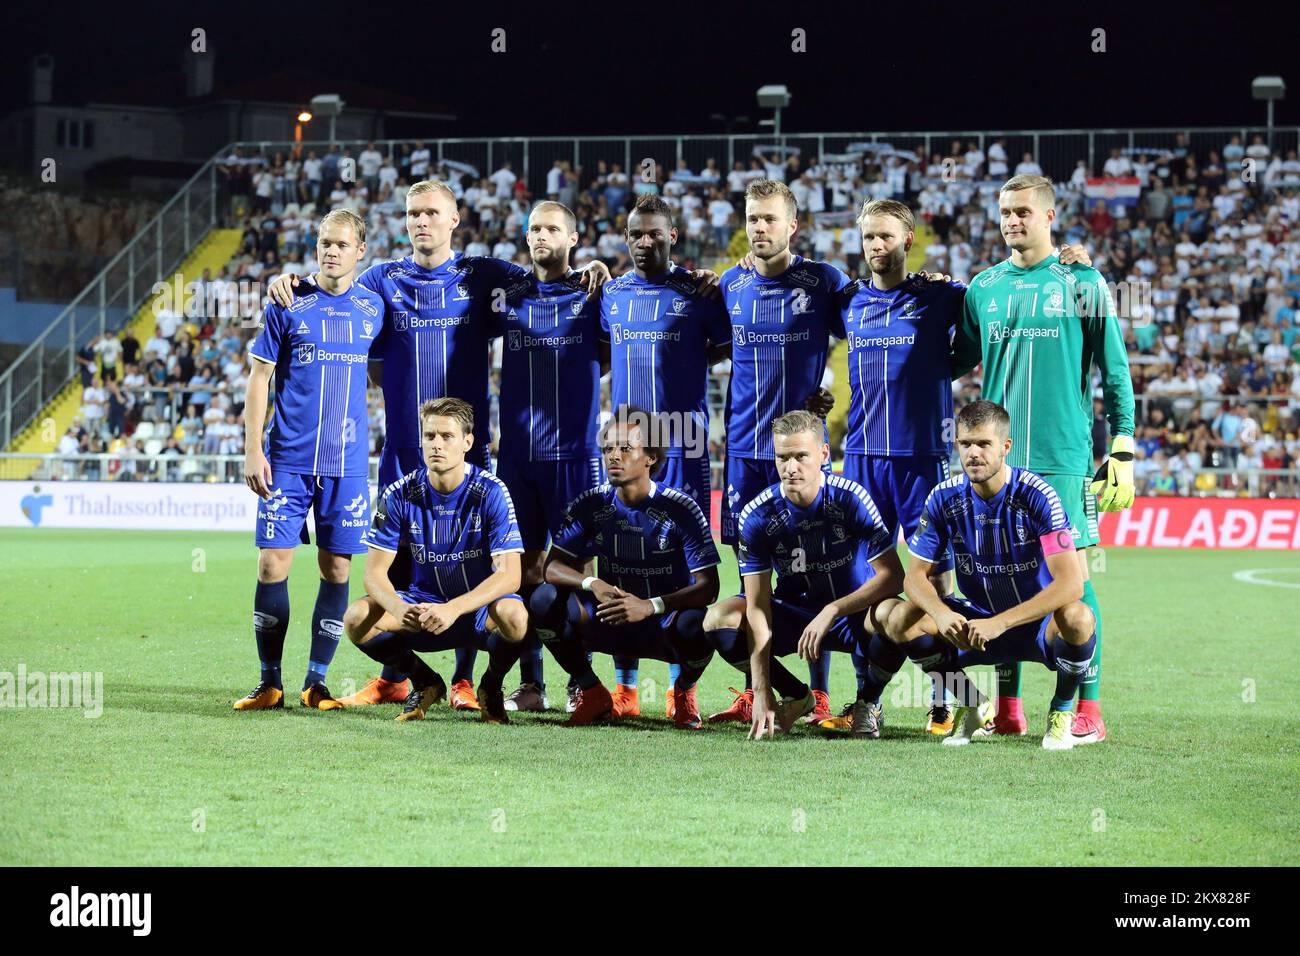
1204, 256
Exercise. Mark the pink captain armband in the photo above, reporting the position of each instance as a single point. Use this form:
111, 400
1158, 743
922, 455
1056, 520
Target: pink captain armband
1054, 542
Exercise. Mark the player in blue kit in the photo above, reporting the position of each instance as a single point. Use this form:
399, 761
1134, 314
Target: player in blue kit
1015, 562
458, 524
553, 356
317, 453
657, 576
899, 437
783, 313
833, 561
437, 327
666, 327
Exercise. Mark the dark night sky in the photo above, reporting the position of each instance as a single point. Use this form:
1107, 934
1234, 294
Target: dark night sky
611, 69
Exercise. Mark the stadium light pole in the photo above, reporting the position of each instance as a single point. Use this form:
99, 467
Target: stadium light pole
776, 97
303, 117
328, 104
1268, 88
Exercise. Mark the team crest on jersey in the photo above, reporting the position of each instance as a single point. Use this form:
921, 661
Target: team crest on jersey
964, 563
738, 334
515, 340
616, 331
1020, 533
909, 309
462, 292
300, 304
417, 553
995, 332
306, 353
401, 321
801, 302
367, 329
679, 306
839, 533
575, 306
365, 306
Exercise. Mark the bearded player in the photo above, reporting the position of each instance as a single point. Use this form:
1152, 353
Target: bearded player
1039, 326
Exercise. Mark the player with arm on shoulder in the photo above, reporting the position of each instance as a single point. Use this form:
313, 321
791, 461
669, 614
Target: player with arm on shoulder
666, 326
898, 442
1015, 563
317, 457
1038, 326
549, 407
783, 312
658, 574
437, 325
458, 524
834, 566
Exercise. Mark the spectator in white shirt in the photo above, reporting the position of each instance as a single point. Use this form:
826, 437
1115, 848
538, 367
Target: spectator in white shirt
1027, 166
1118, 164
504, 180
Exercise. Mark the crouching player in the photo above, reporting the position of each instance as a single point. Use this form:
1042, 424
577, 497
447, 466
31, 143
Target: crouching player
1016, 564
834, 561
658, 574
458, 524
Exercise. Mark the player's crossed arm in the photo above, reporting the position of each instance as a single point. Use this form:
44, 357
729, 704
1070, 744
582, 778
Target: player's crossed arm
1066, 588
885, 583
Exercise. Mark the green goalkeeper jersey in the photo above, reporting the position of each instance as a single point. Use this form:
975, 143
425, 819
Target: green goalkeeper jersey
1038, 332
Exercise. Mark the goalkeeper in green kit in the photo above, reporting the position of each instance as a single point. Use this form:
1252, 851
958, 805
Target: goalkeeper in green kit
1038, 327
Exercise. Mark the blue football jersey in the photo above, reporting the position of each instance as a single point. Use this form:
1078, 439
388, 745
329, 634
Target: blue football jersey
660, 331
819, 553
998, 546
451, 537
650, 550
319, 346
435, 340
550, 371
900, 367
780, 335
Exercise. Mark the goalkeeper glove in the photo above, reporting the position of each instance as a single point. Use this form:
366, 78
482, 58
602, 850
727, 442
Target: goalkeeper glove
1113, 483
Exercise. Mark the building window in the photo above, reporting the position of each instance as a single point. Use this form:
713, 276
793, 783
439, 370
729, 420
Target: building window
74, 134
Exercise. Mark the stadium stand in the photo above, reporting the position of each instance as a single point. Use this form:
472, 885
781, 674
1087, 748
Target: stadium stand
1205, 261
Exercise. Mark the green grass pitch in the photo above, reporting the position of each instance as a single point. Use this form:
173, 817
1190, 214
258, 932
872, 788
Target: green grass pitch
1200, 767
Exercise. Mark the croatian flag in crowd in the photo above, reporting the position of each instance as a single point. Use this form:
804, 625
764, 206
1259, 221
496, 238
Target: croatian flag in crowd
1124, 190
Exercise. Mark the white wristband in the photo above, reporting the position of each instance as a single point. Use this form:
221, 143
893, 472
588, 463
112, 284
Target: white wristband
588, 582
657, 604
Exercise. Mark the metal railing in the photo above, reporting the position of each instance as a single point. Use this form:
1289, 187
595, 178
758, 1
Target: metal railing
1056, 150
229, 469
46, 366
